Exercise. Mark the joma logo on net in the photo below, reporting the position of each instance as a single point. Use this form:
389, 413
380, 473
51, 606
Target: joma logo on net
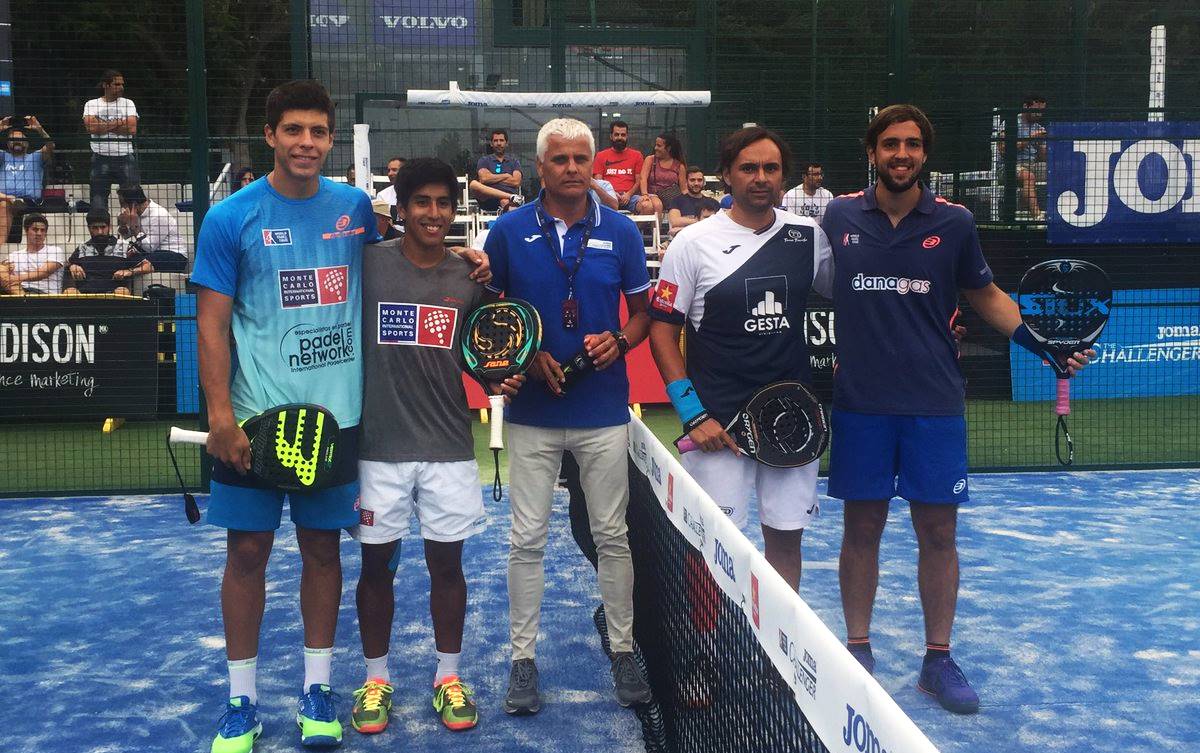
1100, 171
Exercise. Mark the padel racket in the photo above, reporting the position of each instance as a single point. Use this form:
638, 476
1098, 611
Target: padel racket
292, 448
1065, 304
783, 425
500, 340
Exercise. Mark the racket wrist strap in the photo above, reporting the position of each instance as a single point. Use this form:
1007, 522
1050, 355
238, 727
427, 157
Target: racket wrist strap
1024, 337
687, 403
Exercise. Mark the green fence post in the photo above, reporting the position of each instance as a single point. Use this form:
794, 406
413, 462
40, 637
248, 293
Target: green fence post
198, 144
899, 86
1011, 122
298, 15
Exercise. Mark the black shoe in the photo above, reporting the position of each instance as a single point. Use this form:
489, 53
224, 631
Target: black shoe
522, 696
631, 687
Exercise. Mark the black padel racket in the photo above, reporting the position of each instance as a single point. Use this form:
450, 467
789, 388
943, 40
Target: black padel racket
783, 425
500, 340
1065, 304
292, 448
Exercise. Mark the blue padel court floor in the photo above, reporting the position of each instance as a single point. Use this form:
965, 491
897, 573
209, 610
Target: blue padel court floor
1079, 624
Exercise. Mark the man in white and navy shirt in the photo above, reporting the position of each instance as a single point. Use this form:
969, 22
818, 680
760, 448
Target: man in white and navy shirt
739, 281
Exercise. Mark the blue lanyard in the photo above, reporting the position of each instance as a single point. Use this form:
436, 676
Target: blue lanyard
545, 225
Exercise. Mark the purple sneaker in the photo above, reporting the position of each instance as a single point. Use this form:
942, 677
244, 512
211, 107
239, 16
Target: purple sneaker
862, 652
942, 679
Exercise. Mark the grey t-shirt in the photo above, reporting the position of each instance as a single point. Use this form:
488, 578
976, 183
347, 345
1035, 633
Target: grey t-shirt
414, 405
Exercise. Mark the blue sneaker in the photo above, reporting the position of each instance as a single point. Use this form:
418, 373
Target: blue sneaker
942, 679
239, 727
862, 652
317, 717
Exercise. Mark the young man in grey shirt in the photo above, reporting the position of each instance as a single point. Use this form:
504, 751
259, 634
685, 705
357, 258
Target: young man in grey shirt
416, 451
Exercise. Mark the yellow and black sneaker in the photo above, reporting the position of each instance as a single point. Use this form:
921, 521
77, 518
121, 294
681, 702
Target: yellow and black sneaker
372, 702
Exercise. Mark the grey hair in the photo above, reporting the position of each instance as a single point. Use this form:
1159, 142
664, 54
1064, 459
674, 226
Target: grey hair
565, 128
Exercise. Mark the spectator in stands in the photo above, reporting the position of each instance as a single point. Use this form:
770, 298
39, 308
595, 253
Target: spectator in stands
620, 165
389, 194
809, 198
37, 267
1031, 152
351, 175
383, 218
112, 121
242, 178
692, 206
23, 171
152, 231
663, 177
102, 264
604, 193
498, 181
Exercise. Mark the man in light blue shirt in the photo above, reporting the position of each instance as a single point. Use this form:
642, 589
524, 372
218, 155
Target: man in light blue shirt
278, 264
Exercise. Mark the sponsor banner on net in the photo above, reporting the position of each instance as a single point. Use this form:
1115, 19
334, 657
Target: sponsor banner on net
848, 709
1123, 182
1150, 348
429, 22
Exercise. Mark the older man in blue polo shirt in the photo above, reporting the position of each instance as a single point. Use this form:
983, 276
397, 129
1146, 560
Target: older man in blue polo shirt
901, 257
573, 260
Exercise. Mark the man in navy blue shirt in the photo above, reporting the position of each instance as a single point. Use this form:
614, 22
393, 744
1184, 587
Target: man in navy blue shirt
498, 177
901, 256
573, 260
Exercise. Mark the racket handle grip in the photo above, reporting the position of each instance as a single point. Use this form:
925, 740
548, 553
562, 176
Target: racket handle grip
185, 436
1062, 406
685, 444
496, 437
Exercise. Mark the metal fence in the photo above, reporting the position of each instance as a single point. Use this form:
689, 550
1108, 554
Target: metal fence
198, 73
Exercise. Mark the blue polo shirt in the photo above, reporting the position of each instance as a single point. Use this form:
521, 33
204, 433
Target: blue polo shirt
524, 265
498, 166
895, 298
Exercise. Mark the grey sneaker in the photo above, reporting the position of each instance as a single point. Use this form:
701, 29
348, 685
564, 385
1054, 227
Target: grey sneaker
630, 683
522, 697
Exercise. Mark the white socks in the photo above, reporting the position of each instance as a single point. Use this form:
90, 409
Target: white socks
242, 678
447, 665
317, 665
377, 669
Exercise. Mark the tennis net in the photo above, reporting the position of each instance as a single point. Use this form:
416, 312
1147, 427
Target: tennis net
736, 660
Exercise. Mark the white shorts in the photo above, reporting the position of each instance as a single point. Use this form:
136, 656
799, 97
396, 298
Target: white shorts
448, 499
787, 497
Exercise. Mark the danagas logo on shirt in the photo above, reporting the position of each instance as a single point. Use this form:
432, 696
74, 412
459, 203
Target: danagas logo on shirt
416, 324
664, 296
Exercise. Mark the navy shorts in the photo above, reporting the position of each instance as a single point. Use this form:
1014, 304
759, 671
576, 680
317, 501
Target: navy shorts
242, 503
919, 458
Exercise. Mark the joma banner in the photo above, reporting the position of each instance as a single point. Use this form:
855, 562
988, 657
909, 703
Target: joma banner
1123, 182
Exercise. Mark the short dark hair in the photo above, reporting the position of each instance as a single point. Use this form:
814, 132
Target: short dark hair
300, 94
424, 171
810, 165
695, 169
131, 195
1031, 99
618, 124
32, 218
733, 144
500, 131
108, 76
98, 214
401, 160
893, 114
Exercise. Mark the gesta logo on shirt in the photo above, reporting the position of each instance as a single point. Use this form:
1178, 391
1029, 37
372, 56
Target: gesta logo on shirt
416, 324
318, 286
766, 304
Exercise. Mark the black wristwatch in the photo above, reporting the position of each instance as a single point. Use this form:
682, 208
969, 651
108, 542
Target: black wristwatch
622, 342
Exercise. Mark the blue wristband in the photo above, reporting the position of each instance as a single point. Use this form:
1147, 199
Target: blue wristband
687, 403
1023, 337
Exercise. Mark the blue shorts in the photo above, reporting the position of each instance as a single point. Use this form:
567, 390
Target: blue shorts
241, 503
633, 202
919, 458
